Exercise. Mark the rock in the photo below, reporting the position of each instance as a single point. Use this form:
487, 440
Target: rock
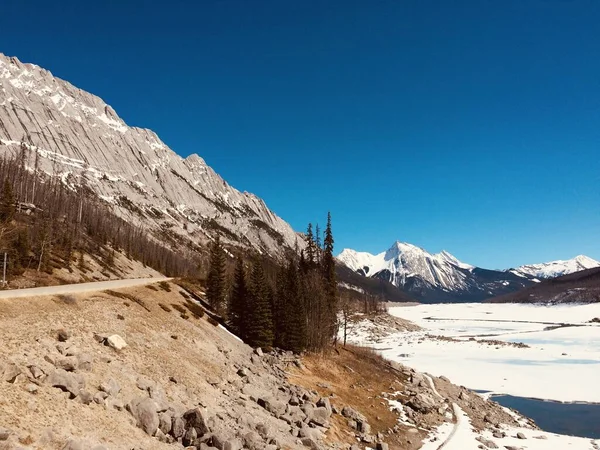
190, 436
165, 422
499, 434
541, 437
85, 397
143, 409
363, 426
521, 436
4, 434
382, 446
70, 382
319, 416
115, 341
294, 401
177, 427
232, 444
325, 403
69, 363
486, 442
99, 397
242, 372
275, 407
36, 372
194, 418
310, 443
84, 362
353, 414
111, 387
423, 403
31, 388
258, 351
63, 335
11, 372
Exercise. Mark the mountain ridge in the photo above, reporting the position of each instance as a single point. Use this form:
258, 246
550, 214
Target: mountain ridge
442, 277
68, 132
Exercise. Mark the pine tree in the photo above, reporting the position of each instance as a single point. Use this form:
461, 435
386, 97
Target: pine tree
329, 276
260, 320
215, 289
295, 314
310, 245
7, 203
238, 301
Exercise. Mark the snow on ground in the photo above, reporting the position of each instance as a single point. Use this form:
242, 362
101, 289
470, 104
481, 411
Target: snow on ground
462, 436
561, 364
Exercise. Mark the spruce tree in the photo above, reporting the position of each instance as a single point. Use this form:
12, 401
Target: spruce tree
7, 203
310, 245
329, 276
238, 301
295, 314
215, 289
260, 320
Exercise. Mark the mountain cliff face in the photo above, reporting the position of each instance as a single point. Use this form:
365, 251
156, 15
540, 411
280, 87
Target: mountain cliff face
433, 277
67, 132
558, 268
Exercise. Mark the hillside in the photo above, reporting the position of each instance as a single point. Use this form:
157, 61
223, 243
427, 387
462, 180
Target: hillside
182, 380
578, 287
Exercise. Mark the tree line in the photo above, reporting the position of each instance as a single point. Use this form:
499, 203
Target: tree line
45, 224
292, 306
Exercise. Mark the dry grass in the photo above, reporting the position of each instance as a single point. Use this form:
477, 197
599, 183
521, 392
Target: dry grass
356, 377
165, 286
164, 307
124, 295
151, 287
197, 310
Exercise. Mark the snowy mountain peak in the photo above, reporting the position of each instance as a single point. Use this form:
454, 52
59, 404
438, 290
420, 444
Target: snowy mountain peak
557, 268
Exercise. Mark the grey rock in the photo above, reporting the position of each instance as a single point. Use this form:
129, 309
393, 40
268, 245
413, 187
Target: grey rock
69, 363
275, 407
521, 436
36, 372
190, 436
111, 387
70, 382
423, 403
486, 442
382, 446
85, 397
115, 341
177, 427
84, 362
165, 422
31, 388
258, 351
310, 443
319, 416
325, 403
144, 410
4, 434
63, 335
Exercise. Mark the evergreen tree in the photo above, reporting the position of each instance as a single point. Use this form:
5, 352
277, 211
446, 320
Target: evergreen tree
260, 320
7, 203
310, 245
238, 301
329, 276
215, 289
295, 336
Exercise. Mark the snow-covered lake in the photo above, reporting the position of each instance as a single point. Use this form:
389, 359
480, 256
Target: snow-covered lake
561, 364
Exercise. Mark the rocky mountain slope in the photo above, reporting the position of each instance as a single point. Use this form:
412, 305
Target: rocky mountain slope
558, 268
578, 287
70, 133
433, 277
83, 374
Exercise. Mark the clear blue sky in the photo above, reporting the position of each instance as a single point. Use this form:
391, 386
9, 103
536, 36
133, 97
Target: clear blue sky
471, 126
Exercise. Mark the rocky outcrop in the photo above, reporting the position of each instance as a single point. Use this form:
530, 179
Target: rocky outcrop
73, 134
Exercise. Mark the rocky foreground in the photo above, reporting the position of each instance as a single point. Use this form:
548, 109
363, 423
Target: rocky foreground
146, 368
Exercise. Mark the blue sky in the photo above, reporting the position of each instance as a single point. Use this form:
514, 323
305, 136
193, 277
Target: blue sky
470, 126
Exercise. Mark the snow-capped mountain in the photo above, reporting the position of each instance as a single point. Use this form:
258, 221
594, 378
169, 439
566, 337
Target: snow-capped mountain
73, 134
431, 277
558, 268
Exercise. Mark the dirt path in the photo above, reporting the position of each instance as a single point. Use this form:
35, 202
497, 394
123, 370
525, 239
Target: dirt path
78, 288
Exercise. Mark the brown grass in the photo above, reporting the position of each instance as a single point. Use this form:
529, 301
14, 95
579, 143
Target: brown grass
165, 286
212, 321
151, 287
197, 310
124, 295
356, 377
164, 307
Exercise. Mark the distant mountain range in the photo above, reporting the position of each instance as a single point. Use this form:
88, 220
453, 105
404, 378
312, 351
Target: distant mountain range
441, 277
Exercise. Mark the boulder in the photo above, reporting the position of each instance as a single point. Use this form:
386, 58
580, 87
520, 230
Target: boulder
165, 422
521, 436
63, 335
382, 446
325, 403
69, 363
423, 402
4, 434
115, 341
319, 416
36, 372
111, 387
144, 410
177, 427
194, 418
70, 382
85, 397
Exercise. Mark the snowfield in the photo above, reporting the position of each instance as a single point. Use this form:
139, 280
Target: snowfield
471, 345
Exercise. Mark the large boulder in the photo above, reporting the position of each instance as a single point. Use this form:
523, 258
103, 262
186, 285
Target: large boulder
115, 341
423, 403
144, 410
195, 418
